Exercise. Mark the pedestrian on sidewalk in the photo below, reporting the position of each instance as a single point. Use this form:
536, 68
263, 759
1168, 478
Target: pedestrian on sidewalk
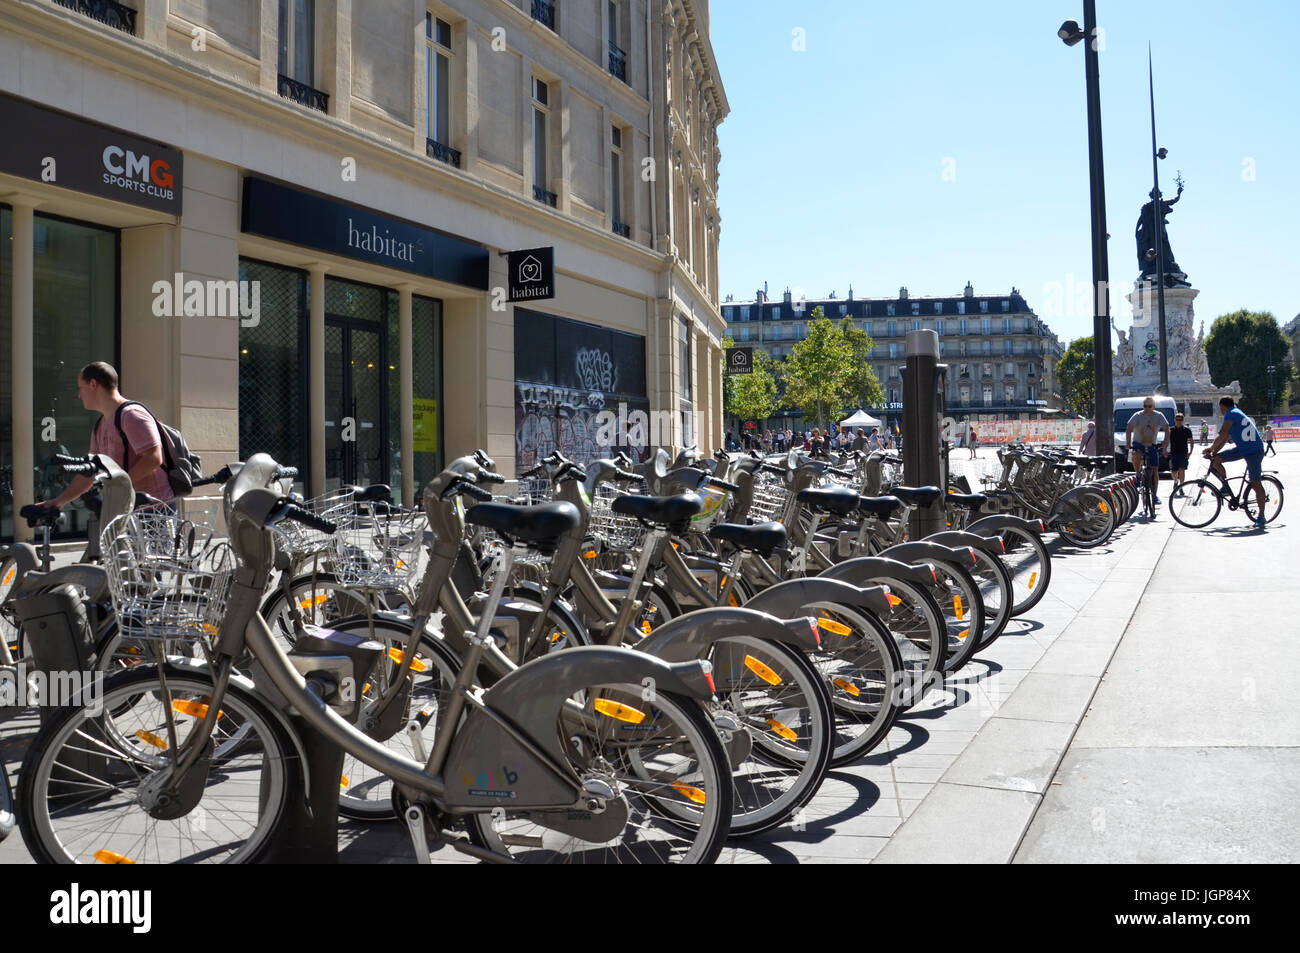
1268, 440
1088, 445
1181, 443
974, 442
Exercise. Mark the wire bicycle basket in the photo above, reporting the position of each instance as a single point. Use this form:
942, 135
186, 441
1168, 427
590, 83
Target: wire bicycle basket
377, 546
169, 578
303, 542
621, 533
769, 498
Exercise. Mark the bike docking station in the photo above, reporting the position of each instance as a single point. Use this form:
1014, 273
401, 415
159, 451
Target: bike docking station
925, 457
335, 665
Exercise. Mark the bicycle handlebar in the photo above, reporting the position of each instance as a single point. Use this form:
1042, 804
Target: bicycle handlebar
723, 484
292, 511
221, 476
80, 469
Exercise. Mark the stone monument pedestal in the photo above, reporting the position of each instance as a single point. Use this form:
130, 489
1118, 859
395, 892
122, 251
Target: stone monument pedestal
1136, 367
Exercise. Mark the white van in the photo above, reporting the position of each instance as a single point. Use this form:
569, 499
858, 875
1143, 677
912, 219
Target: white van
1125, 408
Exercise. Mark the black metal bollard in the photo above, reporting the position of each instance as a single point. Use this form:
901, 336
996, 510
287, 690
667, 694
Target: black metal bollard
923, 404
309, 831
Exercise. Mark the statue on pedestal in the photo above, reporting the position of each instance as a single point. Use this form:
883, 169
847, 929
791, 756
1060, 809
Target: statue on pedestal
1123, 365
1148, 223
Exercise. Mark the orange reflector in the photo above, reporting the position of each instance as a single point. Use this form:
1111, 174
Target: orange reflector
397, 655
589, 554
132, 650
894, 600
781, 730
733, 600
556, 636
112, 857
645, 626
956, 607
617, 711
400, 564
845, 685
193, 709
1104, 507
762, 671
690, 793
150, 738
343, 781
9, 576
963, 633
313, 600
1033, 578
833, 627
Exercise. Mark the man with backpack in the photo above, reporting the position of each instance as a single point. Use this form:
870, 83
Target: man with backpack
128, 433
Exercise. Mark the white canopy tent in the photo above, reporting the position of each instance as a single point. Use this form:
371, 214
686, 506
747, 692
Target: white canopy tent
861, 419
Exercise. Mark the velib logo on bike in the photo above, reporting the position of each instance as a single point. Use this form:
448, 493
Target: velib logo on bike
21, 687
75, 906
492, 783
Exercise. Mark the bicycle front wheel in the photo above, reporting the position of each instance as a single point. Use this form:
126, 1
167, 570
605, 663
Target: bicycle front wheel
1272, 500
671, 776
1030, 566
1194, 503
88, 780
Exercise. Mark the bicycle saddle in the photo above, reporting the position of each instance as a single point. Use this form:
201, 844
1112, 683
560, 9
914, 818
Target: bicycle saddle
837, 500
971, 501
917, 495
879, 505
41, 515
659, 510
760, 538
543, 523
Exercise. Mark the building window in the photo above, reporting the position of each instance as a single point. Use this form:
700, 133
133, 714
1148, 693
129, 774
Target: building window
1006, 305
844, 309
1009, 369
297, 32
544, 13
617, 58
984, 307
743, 334
963, 348
916, 307
988, 346
963, 370
916, 325
616, 180
893, 370
964, 393
961, 307
893, 328
541, 121
988, 395
1009, 393
684, 357
889, 310
437, 80
744, 313
1006, 346
893, 349
986, 325
961, 329
938, 307
1006, 325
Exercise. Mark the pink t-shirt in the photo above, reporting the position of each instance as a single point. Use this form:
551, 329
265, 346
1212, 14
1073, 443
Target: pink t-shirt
142, 434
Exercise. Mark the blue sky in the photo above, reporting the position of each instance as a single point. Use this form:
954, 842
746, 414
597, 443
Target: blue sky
833, 158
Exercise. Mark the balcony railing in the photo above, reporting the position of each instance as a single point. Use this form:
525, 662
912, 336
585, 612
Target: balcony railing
543, 196
302, 93
617, 63
436, 150
623, 229
105, 11
544, 13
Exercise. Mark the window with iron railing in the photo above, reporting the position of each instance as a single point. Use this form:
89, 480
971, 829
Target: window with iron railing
437, 79
297, 55
544, 13
107, 12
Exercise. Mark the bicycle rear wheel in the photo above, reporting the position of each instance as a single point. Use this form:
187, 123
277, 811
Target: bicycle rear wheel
672, 773
1194, 503
1272, 500
1030, 566
87, 778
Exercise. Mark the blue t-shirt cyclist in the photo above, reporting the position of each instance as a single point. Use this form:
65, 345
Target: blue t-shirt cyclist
1249, 447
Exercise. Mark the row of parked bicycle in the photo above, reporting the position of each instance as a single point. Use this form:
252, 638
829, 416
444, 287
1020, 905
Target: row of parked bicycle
614, 663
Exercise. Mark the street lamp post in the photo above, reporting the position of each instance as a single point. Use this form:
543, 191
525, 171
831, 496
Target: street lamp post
1158, 207
1103, 389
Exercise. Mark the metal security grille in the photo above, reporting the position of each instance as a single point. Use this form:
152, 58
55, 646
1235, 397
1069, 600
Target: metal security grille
273, 367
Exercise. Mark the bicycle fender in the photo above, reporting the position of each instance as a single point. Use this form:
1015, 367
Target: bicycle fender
93, 579
785, 599
992, 524
992, 545
922, 550
690, 636
864, 569
24, 556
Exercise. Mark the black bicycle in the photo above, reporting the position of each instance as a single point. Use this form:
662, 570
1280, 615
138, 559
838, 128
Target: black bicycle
1196, 503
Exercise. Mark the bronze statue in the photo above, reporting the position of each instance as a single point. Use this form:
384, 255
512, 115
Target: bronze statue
1146, 242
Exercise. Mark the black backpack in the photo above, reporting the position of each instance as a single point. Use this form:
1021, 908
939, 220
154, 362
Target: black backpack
181, 465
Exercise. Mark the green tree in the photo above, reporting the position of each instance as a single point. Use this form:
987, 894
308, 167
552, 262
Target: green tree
862, 388
749, 396
1240, 347
1074, 374
817, 372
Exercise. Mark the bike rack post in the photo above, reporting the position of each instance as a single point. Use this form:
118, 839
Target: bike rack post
923, 457
309, 831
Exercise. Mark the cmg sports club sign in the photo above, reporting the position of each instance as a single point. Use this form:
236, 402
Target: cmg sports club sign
49, 146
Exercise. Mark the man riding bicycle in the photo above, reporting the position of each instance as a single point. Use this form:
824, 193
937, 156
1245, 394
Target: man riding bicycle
1143, 439
1240, 428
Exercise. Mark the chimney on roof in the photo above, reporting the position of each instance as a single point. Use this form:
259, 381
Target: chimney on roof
970, 291
850, 292
787, 295
902, 293
760, 295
